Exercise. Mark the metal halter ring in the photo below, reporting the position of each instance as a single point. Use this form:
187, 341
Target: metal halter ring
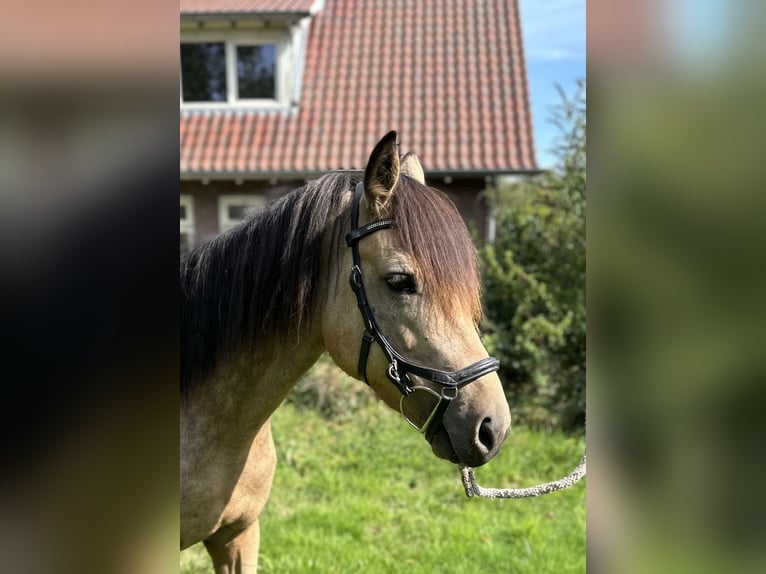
446, 394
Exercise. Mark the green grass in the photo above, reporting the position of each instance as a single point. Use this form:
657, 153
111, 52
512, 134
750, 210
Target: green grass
367, 495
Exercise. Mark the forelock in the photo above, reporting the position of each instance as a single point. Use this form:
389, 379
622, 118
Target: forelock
432, 230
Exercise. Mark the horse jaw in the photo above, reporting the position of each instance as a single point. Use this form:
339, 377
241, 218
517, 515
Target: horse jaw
441, 445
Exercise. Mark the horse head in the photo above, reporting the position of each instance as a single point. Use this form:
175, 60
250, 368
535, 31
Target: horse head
408, 324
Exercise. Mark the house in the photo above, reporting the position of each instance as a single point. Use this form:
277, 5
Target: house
277, 92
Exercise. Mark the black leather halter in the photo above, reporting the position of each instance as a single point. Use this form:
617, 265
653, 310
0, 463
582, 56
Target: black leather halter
400, 368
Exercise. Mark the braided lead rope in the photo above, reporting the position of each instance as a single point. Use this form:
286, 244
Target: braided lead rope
473, 489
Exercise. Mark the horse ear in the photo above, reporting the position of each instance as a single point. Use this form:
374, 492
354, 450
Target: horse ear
382, 173
411, 166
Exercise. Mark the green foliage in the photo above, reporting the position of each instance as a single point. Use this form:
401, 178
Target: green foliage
534, 279
330, 391
368, 495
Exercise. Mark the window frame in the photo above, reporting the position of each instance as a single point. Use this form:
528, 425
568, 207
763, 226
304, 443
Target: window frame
249, 200
232, 40
187, 224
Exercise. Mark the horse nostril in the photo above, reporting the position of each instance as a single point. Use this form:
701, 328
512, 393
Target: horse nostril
486, 436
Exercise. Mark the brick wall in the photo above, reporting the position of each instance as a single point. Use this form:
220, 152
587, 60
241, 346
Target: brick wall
468, 197
205, 197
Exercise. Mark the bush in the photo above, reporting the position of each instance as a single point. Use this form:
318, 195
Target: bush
326, 389
534, 278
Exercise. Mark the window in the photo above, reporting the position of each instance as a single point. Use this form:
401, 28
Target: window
226, 72
232, 209
256, 66
203, 68
186, 216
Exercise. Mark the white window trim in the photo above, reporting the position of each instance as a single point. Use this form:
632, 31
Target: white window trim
231, 39
187, 224
225, 201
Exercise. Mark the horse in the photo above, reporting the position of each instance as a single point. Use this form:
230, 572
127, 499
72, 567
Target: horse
396, 305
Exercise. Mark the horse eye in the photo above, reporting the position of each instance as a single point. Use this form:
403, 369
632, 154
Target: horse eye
402, 283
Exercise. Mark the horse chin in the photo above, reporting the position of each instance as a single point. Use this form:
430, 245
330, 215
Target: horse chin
441, 445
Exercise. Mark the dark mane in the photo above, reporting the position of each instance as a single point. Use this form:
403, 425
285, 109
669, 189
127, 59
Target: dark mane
257, 280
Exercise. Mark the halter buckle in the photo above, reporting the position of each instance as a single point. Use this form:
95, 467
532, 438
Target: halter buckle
393, 373
402, 383
355, 279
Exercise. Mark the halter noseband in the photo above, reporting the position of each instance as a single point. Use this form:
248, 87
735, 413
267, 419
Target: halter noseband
400, 368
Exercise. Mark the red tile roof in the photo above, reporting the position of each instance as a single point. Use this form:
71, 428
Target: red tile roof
448, 75
244, 6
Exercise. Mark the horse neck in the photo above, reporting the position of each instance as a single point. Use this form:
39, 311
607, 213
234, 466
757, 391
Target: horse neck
254, 379
236, 399
248, 388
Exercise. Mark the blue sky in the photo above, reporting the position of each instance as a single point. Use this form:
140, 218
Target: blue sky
554, 46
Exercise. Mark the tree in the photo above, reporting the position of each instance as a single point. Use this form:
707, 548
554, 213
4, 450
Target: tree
534, 277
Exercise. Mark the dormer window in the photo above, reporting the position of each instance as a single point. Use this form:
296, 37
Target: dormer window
256, 72
238, 70
203, 72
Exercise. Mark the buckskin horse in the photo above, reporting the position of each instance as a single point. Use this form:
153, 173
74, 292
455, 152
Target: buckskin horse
260, 304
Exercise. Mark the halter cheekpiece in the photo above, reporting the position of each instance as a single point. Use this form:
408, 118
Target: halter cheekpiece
399, 368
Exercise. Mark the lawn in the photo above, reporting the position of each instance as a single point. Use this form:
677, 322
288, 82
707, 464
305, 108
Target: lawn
367, 495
